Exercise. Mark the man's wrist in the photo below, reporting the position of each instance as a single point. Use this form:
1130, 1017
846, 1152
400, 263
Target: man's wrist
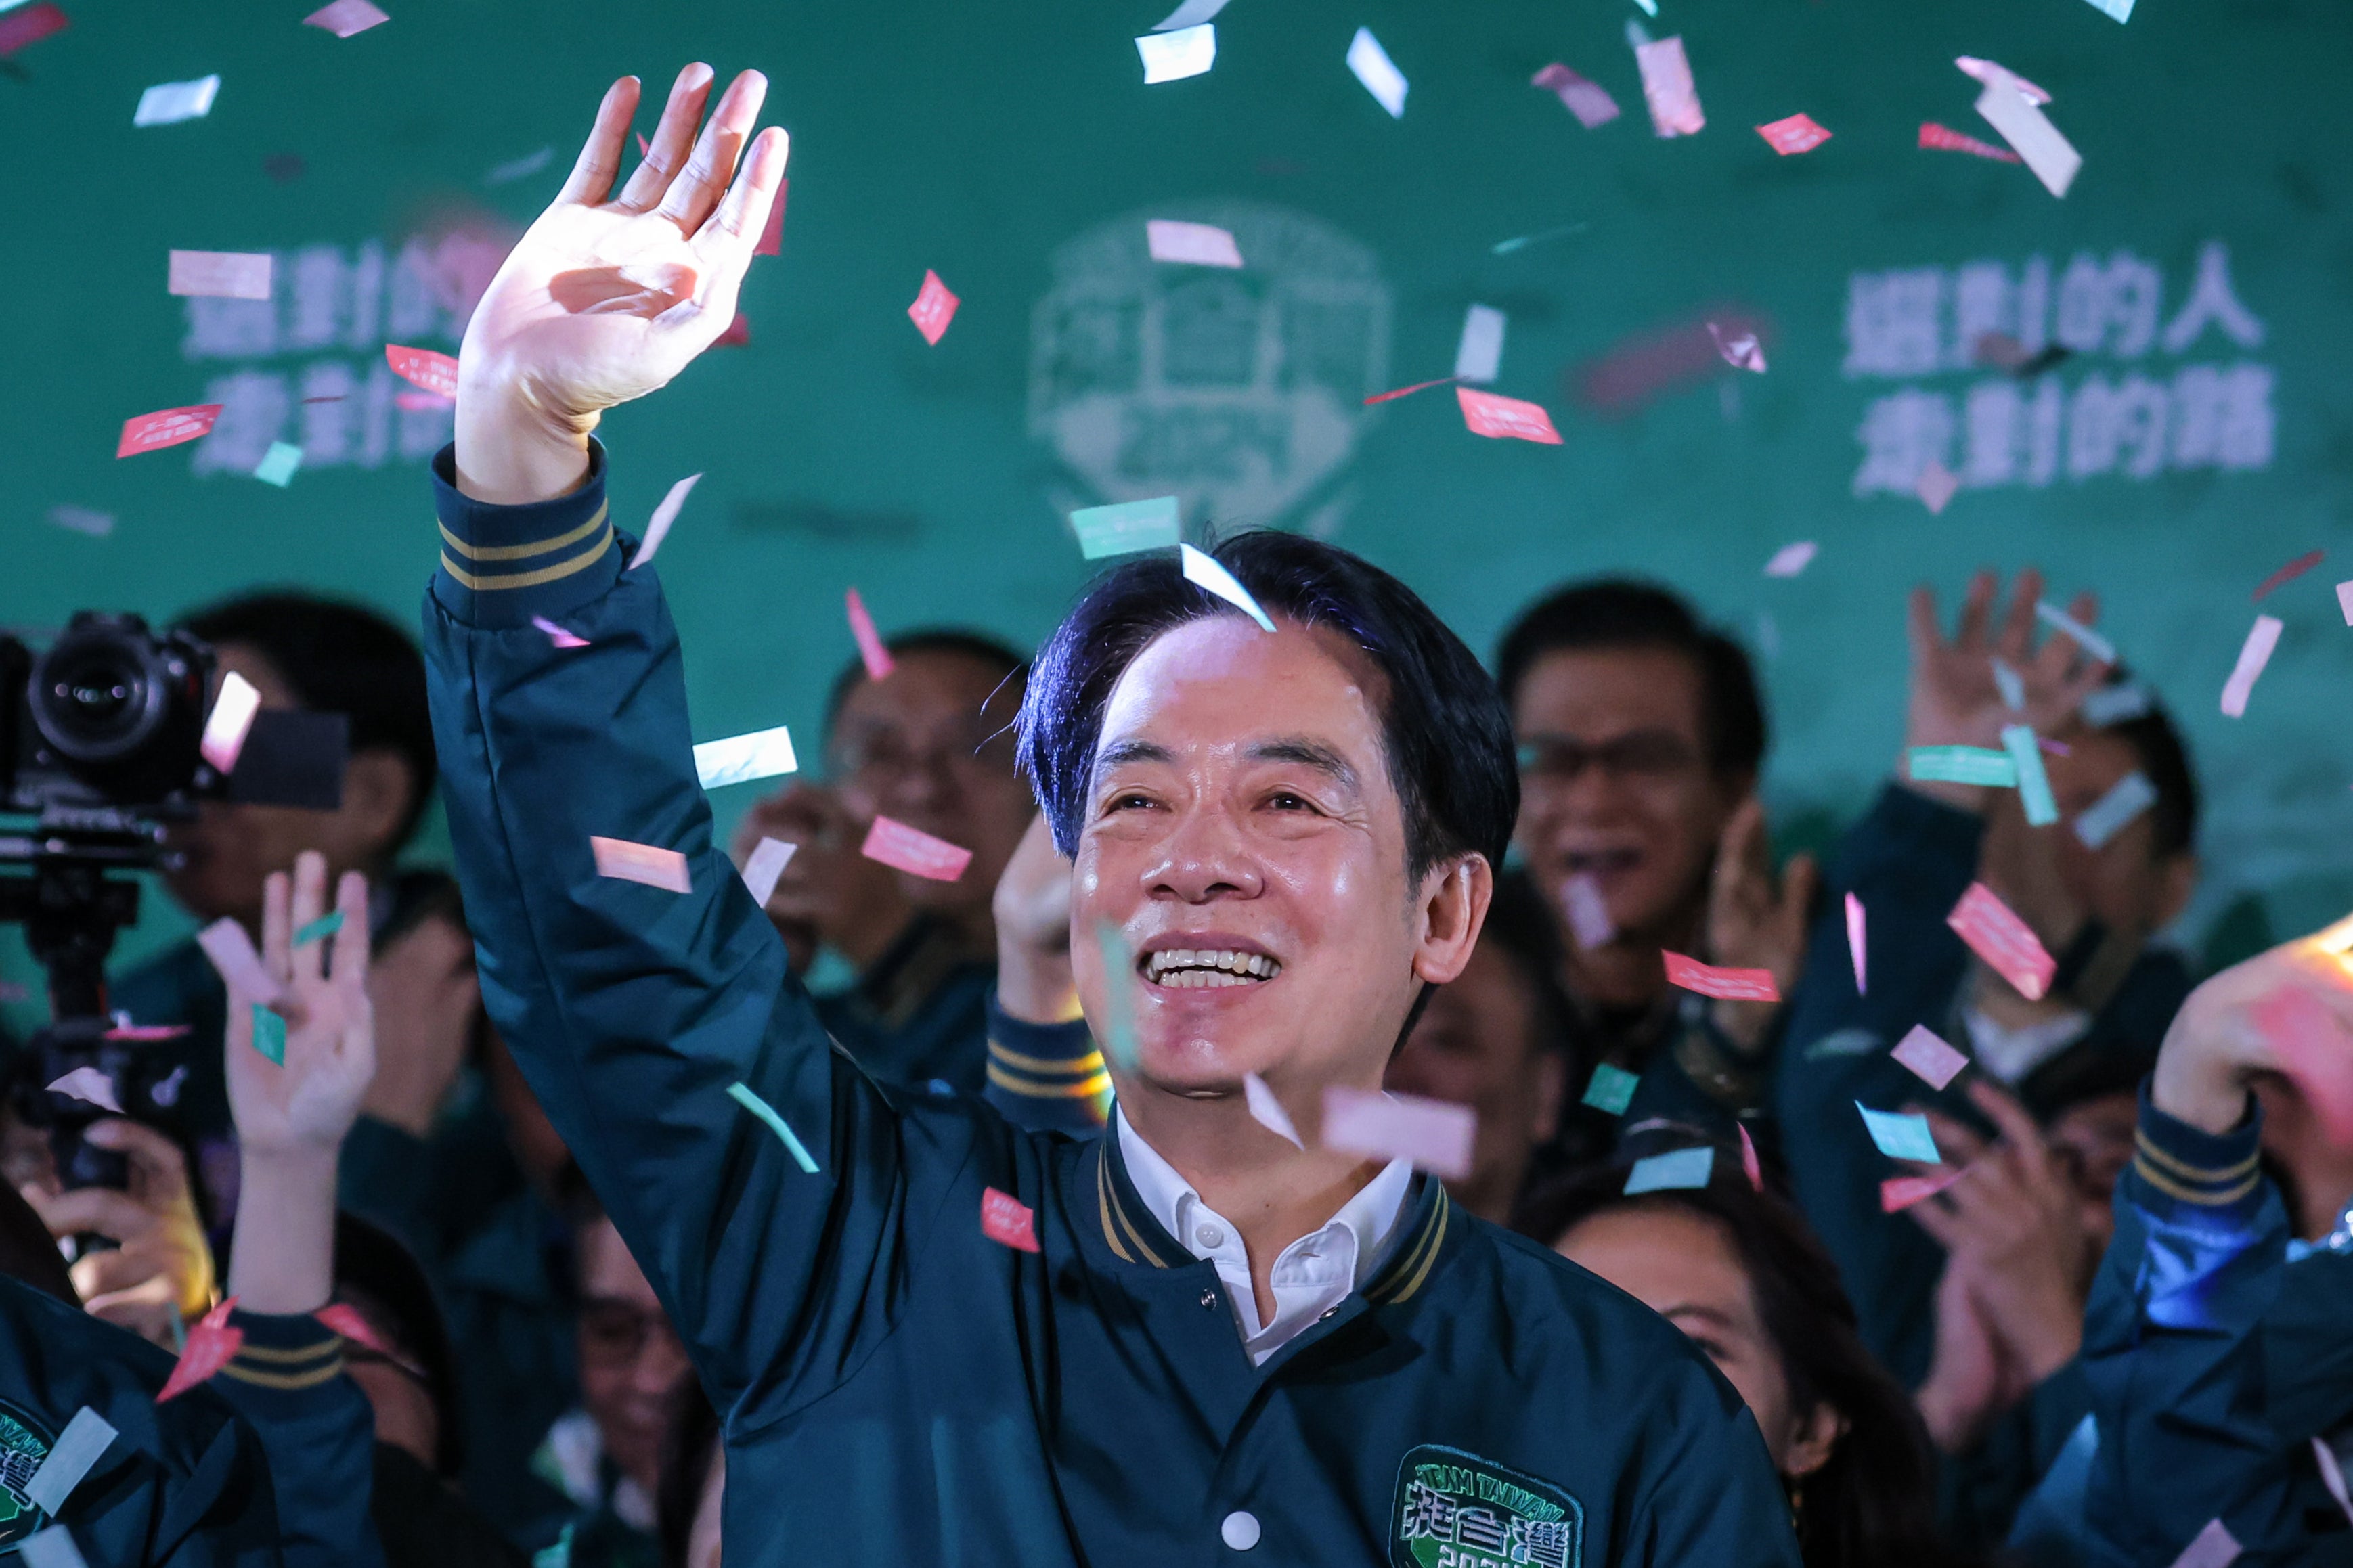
511, 453
1037, 990
2193, 1083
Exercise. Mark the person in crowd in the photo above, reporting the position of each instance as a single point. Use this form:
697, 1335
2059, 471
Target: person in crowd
1490, 1039
2217, 1342
929, 744
1738, 1271
694, 1484
1641, 734
1293, 834
157, 1275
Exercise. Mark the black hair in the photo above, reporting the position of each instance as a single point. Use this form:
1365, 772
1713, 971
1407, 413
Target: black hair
1617, 613
688, 1444
1873, 1501
340, 658
1448, 738
2165, 761
999, 658
383, 1281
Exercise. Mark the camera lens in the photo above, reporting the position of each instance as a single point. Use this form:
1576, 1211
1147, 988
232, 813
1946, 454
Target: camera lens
99, 693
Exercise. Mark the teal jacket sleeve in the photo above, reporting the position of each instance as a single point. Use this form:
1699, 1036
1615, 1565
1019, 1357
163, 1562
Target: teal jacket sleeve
318, 1432
634, 1009
1047, 1077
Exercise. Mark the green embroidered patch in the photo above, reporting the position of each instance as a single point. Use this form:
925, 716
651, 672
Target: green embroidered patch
1455, 1510
24, 1444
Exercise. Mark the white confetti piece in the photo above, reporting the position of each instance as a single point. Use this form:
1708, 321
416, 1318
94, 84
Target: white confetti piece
80, 1446
1434, 1134
1677, 1170
1381, 78
230, 722
345, 17
1267, 1111
2212, 1547
1194, 244
1790, 559
658, 525
2114, 812
2012, 685
1479, 354
519, 168
169, 103
219, 274
1588, 912
2106, 705
2253, 654
739, 759
1191, 14
52, 1548
1928, 1058
1993, 74
2031, 135
1204, 571
2090, 641
2344, 600
90, 1086
764, 865
1668, 89
231, 951
1173, 57
83, 520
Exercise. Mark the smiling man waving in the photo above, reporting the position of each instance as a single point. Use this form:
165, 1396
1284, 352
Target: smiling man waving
1293, 835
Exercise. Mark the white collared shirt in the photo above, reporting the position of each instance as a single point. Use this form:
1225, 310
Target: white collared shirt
2009, 1054
1310, 1277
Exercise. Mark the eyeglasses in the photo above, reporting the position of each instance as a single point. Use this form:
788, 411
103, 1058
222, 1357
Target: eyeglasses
973, 749
615, 1331
1640, 754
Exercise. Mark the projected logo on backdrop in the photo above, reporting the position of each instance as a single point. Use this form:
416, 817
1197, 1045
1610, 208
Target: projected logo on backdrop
309, 364
1240, 391
2146, 414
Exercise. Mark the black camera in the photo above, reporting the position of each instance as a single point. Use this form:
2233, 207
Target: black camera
102, 741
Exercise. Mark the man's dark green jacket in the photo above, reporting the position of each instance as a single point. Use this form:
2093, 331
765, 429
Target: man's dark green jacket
895, 1386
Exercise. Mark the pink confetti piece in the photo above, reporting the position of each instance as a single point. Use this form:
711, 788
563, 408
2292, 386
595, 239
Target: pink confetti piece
1191, 244
231, 951
229, 722
91, 1085
1750, 1165
212, 1344
2056, 748
345, 17
1938, 138
29, 26
1668, 90
1264, 1109
2253, 654
1897, 1194
625, 861
1937, 486
1799, 133
1489, 415
219, 274
2345, 600
658, 525
1854, 943
557, 634
870, 652
419, 401
1587, 101
738, 333
933, 309
1730, 985
1930, 1059
436, 373
2314, 1055
913, 852
1738, 348
343, 1318
1409, 391
1995, 933
1987, 72
2212, 1547
772, 233
1791, 559
166, 427
145, 1034
1434, 1134
1588, 912
1007, 1221
2289, 573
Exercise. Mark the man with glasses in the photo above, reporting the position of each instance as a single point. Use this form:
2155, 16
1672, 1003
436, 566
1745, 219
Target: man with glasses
931, 745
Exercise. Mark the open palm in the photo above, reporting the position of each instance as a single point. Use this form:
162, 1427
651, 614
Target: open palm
1956, 698
309, 1101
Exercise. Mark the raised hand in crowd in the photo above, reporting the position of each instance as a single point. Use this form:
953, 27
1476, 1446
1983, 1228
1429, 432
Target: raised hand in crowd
1032, 906
1755, 919
159, 1273
829, 894
1955, 698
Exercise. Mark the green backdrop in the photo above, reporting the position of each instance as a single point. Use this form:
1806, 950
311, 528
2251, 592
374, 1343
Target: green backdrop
1015, 149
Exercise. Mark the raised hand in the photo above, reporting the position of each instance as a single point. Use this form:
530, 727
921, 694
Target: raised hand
1956, 699
1755, 922
160, 1272
828, 892
1032, 906
2287, 1012
608, 296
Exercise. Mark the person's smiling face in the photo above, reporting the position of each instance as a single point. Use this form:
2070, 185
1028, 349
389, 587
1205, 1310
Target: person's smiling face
1244, 838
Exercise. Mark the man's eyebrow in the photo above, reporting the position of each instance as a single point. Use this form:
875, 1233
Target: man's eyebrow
1121, 752
1307, 753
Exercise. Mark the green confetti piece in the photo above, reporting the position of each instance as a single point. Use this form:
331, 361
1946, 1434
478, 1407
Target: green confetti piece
752, 1102
1119, 1046
1129, 526
1963, 765
277, 467
320, 930
1612, 1089
2034, 784
1678, 1170
269, 1034
1901, 1136
556, 1556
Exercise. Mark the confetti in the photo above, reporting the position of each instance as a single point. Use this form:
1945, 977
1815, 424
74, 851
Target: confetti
1611, 1089
740, 759
269, 1034
1897, 1194
1995, 933
772, 241
169, 103
1961, 765
1267, 1111
738, 333
625, 861
913, 852
1790, 559
1588, 912
1930, 1059
2215, 1546
1127, 526
742, 1095
2253, 654
52, 1548
1668, 90
277, 466
2012, 687
1854, 943
870, 652
436, 373
1730, 985
2031, 135
1901, 1136
1204, 571
344, 18
82, 520
219, 274
412, 402
557, 1554
140, 1034
1751, 1166
518, 168
1590, 101
212, 1344
1938, 138
2034, 784
764, 865
1007, 1221
2090, 641
1488, 415
1434, 1134
1993, 75
79, 1447
1935, 488
1408, 391
344, 1319
1505, 247
2107, 705
1479, 354
2344, 590
1176, 55
1381, 78
1739, 349
1191, 14
933, 309
1799, 133
230, 722
2122, 11
166, 428
320, 930
658, 525
29, 26
2289, 573
1677, 1170
1193, 244
89, 1085
1120, 1045
557, 634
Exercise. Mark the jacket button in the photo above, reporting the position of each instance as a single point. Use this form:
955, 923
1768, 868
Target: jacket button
1209, 1297
1239, 1531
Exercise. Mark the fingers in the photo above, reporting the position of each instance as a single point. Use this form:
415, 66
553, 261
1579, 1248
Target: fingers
277, 927
1800, 878
1739, 854
2018, 1129
2017, 635
159, 1172
1976, 608
694, 193
1920, 623
309, 961
350, 967
672, 138
600, 156
1959, 1143
736, 224
97, 1211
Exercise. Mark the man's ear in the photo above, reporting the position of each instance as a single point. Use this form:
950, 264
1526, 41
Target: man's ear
1454, 897
1813, 1440
378, 785
2177, 879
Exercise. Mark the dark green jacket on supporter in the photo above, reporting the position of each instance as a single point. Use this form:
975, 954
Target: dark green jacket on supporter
319, 1431
918, 1015
896, 1387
